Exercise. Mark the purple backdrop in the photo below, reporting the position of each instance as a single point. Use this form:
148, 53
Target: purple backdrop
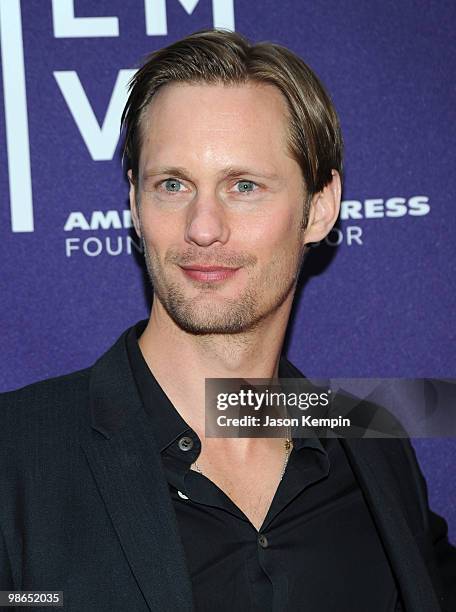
376, 298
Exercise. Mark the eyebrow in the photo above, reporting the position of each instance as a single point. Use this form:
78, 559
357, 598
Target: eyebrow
228, 172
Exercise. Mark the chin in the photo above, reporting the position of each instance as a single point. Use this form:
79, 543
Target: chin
237, 317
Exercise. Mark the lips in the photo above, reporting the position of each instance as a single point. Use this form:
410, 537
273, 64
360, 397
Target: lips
209, 273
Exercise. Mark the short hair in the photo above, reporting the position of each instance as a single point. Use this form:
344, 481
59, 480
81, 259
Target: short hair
219, 56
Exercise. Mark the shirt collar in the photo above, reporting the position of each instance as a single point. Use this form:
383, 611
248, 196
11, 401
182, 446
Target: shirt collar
168, 423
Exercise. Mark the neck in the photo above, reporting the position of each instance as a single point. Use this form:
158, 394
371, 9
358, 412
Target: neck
180, 361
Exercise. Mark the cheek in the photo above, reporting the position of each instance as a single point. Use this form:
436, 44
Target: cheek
277, 244
158, 232
274, 233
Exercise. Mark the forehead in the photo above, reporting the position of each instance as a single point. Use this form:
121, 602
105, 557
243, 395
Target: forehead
207, 122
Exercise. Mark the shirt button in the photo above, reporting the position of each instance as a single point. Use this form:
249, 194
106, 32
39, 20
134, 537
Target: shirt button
263, 541
185, 443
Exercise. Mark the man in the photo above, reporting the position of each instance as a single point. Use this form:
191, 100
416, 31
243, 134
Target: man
111, 491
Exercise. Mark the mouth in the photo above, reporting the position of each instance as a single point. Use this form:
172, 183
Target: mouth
208, 273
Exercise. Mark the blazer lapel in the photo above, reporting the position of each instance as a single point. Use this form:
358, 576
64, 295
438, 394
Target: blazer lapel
374, 474
118, 441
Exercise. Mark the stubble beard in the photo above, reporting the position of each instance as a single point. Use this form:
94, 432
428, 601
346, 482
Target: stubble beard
202, 315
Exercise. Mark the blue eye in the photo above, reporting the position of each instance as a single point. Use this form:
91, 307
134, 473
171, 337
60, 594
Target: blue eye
172, 185
245, 186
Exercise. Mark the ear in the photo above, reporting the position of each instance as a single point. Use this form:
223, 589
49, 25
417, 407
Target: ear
133, 204
324, 210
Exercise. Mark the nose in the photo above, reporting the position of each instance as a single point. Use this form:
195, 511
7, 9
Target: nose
206, 221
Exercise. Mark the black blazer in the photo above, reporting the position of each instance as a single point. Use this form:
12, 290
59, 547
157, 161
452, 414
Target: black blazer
85, 507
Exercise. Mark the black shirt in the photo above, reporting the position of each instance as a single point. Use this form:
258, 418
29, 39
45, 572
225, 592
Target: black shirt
318, 548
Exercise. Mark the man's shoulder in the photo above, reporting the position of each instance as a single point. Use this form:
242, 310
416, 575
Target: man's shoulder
47, 388
63, 387
57, 403
45, 399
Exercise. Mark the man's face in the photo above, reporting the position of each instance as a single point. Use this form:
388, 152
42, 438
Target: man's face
216, 188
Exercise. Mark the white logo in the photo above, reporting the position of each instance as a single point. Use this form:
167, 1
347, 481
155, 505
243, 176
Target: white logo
373, 208
119, 242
